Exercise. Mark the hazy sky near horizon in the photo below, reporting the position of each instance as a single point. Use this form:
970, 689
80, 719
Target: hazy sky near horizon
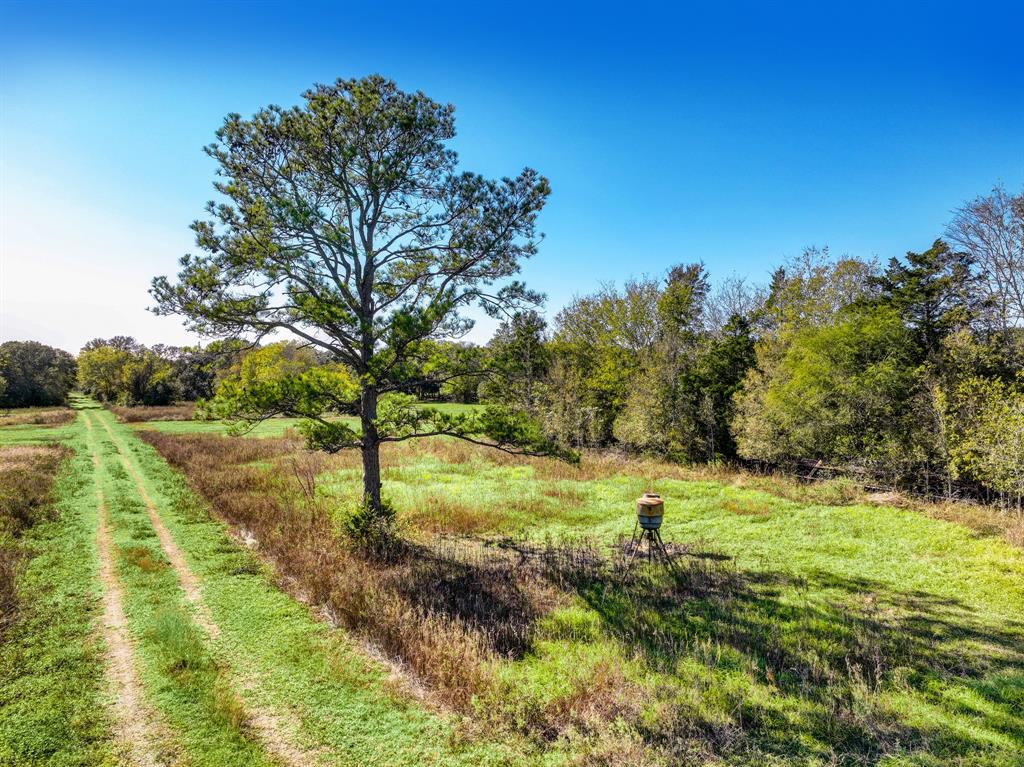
734, 133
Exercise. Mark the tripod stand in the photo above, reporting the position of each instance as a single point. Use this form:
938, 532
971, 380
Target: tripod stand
656, 550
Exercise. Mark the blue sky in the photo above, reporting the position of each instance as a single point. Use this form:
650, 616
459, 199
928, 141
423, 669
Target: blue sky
731, 133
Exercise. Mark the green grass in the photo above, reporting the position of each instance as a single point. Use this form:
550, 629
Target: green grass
876, 633
339, 699
52, 686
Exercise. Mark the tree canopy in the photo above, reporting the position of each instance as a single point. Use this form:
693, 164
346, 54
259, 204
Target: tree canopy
346, 223
32, 374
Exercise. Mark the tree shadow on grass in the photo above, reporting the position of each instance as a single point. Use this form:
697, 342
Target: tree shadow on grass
825, 647
484, 593
830, 644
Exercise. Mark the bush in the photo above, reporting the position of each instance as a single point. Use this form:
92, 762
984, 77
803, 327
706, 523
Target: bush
370, 531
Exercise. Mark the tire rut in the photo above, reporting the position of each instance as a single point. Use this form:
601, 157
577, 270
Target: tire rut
139, 734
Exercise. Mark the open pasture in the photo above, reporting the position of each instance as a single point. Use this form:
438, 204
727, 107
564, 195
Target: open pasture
794, 630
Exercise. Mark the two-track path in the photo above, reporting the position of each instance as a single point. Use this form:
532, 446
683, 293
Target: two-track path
139, 732
139, 726
309, 694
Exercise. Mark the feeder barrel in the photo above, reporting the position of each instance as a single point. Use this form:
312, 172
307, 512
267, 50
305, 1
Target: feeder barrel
650, 510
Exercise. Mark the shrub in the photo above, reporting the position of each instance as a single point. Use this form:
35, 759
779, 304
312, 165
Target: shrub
370, 531
34, 417
26, 476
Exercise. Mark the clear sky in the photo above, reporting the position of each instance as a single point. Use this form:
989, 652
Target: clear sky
731, 133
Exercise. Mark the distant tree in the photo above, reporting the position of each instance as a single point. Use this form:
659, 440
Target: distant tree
718, 374
842, 392
598, 349
198, 369
519, 360
101, 371
991, 229
730, 298
120, 343
457, 369
934, 292
813, 288
282, 378
985, 418
148, 379
648, 367
680, 403
128, 374
35, 374
348, 225
660, 413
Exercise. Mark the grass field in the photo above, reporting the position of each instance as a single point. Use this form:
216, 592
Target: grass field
800, 626
221, 693
273, 427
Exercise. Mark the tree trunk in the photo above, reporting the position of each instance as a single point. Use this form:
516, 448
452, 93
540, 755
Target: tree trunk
370, 449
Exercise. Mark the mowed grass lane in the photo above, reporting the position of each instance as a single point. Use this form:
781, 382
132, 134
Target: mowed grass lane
270, 655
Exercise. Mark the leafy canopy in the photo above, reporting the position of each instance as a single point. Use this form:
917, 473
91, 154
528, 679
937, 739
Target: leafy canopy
346, 223
32, 373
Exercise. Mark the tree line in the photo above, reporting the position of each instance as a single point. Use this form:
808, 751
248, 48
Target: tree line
118, 370
909, 372
346, 225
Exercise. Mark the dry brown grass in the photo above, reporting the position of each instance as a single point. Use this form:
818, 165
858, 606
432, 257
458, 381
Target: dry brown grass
142, 558
986, 520
26, 477
37, 417
440, 514
451, 451
745, 507
183, 412
400, 603
566, 495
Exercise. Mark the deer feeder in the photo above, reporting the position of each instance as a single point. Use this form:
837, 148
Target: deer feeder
650, 510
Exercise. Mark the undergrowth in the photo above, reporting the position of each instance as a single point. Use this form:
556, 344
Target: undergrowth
26, 476
140, 413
